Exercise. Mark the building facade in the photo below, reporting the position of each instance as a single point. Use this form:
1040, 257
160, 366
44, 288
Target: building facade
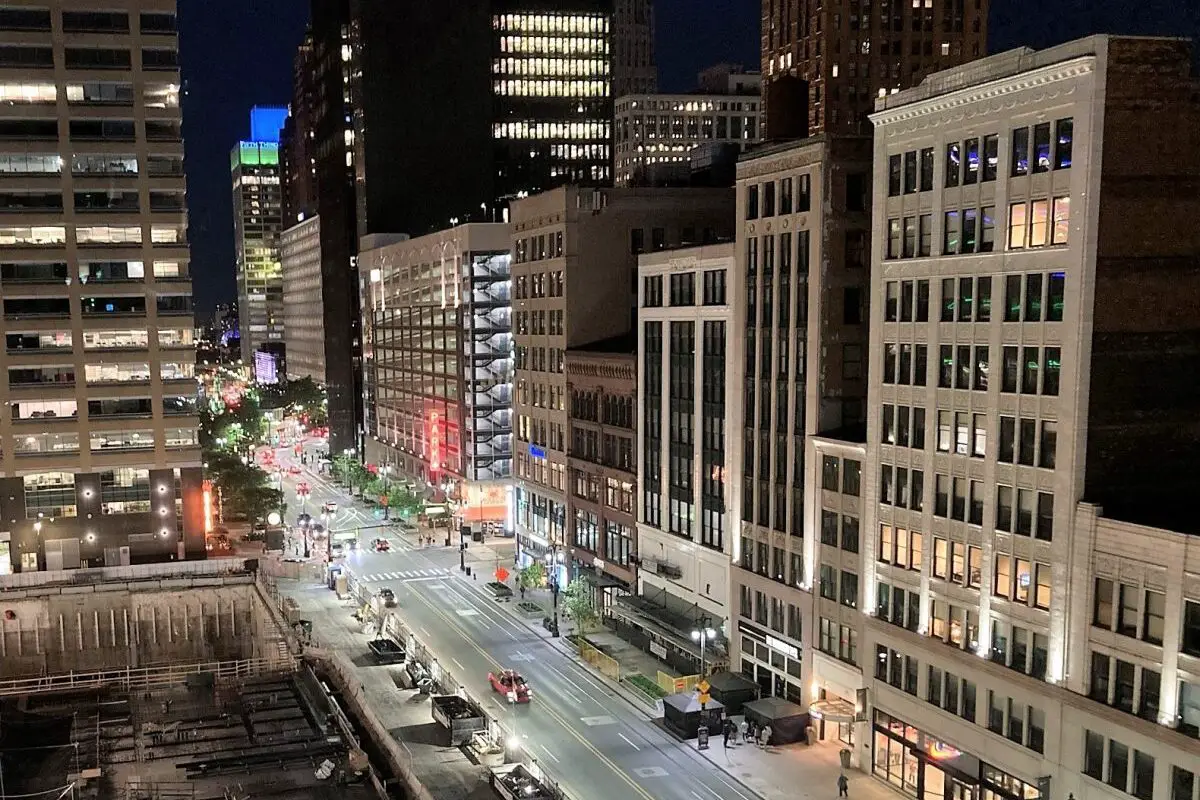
574, 254
842, 57
101, 461
439, 365
1016, 235
685, 531
655, 134
601, 467
303, 316
802, 289
257, 223
633, 64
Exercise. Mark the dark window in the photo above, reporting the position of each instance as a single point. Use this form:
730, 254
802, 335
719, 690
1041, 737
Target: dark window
658, 236
953, 163
910, 172
159, 59
1102, 604
971, 174
18, 56
856, 191
1020, 151
637, 241
1190, 640
752, 201
97, 58
1063, 133
28, 129
1041, 147
91, 21
116, 129
785, 196
894, 172
158, 23
24, 19
991, 156
927, 169
768, 199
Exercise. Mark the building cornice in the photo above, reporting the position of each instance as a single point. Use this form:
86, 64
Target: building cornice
987, 92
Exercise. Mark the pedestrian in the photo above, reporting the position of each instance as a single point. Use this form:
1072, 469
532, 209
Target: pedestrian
744, 729
843, 785
523, 597
764, 737
725, 730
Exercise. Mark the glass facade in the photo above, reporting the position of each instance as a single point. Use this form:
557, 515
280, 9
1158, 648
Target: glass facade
927, 768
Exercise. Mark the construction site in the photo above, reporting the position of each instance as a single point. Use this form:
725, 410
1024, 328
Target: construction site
176, 681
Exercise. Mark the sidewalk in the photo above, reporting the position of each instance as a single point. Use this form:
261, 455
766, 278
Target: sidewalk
794, 772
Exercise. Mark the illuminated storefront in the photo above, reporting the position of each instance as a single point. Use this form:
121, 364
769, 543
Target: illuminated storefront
927, 768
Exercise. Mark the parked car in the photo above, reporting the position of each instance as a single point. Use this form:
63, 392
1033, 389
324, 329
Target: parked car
330, 507
387, 596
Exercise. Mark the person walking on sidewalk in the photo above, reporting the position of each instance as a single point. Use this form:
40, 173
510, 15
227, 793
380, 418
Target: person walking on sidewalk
843, 785
764, 737
744, 730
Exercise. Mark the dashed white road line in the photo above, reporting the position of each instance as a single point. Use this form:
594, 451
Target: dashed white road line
635, 747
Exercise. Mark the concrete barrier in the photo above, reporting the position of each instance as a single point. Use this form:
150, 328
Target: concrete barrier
340, 671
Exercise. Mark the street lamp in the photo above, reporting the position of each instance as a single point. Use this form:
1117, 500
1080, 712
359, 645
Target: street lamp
701, 635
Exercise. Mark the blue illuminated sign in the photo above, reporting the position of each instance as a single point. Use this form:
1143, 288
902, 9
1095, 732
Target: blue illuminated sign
265, 122
536, 452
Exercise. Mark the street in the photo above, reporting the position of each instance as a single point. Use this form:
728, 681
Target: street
587, 737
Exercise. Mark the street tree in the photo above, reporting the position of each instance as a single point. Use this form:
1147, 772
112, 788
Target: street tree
532, 576
578, 601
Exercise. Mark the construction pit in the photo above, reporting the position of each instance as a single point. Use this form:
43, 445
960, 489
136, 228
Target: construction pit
165, 682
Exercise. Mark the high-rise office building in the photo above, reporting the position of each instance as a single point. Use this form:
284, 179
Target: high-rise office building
257, 223
574, 252
992, 613
823, 65
633, 67
438, 364
685, 391
303, 315
656, 135
804, 242
101, 462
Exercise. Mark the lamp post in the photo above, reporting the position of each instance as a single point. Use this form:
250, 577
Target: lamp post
701, 635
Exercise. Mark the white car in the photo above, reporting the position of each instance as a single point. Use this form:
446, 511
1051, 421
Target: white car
330, 508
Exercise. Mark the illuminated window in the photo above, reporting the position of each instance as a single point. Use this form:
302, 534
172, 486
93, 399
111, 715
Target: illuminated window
1016, 226
28, 93
109, 234
36, 235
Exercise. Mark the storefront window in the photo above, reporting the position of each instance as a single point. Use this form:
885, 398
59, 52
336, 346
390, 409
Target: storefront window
927, 768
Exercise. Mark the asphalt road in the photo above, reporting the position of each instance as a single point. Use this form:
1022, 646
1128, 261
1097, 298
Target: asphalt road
586, 737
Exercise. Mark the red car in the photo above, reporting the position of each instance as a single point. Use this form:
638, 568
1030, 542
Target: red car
510, 684
382, 545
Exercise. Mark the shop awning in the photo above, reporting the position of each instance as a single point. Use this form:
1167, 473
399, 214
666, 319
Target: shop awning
601, 580
832, 709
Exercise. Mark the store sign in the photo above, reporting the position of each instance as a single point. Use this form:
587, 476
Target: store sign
659, 650
435, 443
537, 452
783, 647
940, 751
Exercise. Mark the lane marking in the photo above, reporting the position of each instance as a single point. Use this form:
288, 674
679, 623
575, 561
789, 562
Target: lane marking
635, 747
698, 797
426, 578
457, 664
547, 709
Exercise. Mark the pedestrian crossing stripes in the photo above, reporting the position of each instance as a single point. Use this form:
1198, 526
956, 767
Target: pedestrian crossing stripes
407, 574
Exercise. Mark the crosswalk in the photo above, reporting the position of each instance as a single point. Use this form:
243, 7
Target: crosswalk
408, 575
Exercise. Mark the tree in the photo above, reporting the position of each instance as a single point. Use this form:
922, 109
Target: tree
578, 601
532, 576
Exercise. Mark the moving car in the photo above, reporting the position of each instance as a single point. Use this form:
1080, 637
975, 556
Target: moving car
330, 507
387, 596
510, 684
381, 545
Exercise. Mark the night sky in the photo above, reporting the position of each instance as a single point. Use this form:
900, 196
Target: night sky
238, 53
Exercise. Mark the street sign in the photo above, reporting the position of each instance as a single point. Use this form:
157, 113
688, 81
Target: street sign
501, 574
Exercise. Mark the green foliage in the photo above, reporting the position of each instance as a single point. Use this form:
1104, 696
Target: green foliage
646, 685
577, 599
303, 396
246, 490
532, 576
235, 428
